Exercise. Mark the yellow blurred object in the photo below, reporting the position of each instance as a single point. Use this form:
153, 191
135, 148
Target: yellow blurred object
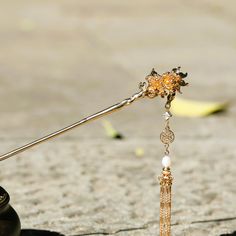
111, 131
26, 25
139, 152
192, 108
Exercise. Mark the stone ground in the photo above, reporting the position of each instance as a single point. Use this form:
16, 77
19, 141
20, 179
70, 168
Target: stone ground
62, 60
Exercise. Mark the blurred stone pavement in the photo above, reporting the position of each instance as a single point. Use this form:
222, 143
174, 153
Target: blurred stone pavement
63, 60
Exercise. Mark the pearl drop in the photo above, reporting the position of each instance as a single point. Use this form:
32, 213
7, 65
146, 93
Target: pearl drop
166, 161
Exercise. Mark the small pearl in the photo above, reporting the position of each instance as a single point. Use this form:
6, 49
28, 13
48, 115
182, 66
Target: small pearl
166, 161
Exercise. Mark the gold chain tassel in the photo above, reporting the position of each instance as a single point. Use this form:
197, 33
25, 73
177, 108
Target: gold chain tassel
165, 202
167, 137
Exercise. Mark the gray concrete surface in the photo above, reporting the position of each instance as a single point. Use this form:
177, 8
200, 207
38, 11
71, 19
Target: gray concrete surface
62, 60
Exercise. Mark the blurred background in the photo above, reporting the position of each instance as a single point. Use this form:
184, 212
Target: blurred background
63, 60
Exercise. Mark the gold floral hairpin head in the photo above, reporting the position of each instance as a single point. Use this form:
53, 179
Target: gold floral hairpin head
165, 84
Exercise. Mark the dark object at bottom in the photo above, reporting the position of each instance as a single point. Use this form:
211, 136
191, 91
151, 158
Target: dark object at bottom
233, 234
36, 232
9, 220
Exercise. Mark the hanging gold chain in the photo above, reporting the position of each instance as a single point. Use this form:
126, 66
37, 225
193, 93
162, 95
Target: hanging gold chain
167, 137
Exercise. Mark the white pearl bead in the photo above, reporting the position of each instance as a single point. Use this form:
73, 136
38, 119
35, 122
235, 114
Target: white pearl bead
166, 161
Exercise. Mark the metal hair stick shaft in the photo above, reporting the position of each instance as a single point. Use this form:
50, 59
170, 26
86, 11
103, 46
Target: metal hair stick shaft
101, 113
